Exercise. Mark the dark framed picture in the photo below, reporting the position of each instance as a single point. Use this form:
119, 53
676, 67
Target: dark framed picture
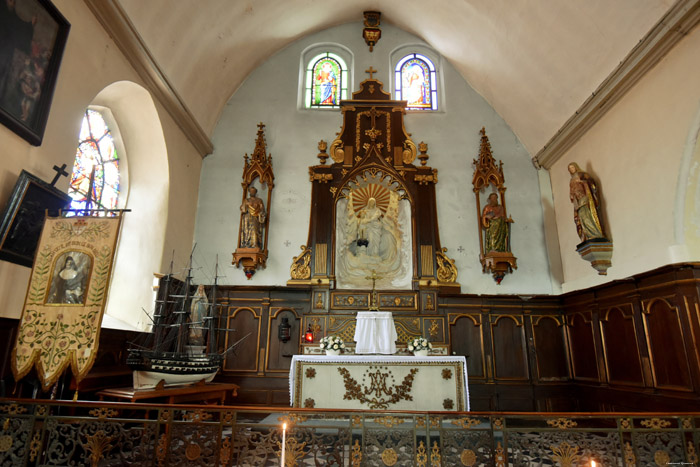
23, 219
32, 37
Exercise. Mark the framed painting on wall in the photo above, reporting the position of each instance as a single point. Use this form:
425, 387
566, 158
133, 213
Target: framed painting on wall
23, 219
33, 35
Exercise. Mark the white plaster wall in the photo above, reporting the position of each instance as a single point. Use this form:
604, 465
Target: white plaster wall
269, 95
91, 62
635, 152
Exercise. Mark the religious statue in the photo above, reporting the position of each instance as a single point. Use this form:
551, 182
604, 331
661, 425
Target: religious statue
252, 221
495, 224
198, 310
583, 193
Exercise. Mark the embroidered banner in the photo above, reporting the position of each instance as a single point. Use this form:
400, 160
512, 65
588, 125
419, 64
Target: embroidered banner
62, 314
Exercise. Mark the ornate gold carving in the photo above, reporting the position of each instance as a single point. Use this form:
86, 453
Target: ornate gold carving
319, 300
197, 416
423, 148
447, 271
435, 457
13, 409
398, 301
300, 264
565, 454
427, 178
337, 152
686, 424
421, 455
562, 423
96, 445
319, 177
193, 451
500, 456
468, 457
291, 419
356, 454
497, 424
103, 412
626, 423
5, 443
466, 422
309, 403
446, 373
692, 455
433, 329
311, 373
41, 410
162, 449
420, 422
164, 416
448, 404
293, 451
388, 421
389, 457
409, 151
333, 190
356, 420
630, 459
350, 300
373, 114
225, 451
662, 458
434, 422
34, 446
429, 302
379, 395
322, 146
655, 423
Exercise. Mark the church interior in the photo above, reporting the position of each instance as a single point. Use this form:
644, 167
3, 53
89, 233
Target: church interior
517, 183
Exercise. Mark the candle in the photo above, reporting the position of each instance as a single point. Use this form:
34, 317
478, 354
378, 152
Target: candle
593, 464
284, 443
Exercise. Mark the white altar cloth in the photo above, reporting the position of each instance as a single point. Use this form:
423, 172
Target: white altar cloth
384, 382
375, 333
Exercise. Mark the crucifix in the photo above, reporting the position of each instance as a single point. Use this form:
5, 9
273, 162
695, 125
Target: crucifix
370, 71
373, 303
60, 172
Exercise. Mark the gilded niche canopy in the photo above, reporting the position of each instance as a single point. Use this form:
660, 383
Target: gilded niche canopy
373, 212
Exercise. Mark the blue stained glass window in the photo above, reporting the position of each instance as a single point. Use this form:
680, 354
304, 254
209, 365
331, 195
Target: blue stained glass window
95, 180
326, 81
416, 83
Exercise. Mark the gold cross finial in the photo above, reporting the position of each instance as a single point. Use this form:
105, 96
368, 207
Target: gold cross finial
370, 71
373, 302
261, 125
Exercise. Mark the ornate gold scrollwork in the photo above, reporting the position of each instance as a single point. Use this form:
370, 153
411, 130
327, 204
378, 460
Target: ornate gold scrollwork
380, 394
630, 458
421, 456
565, 454
96, 445
656, 423
322, 178
388, 421
409, 151
300, 264
562, 423
356, 454
468, 457
337, 151
466, 422
389, 457
447, 271
435, 457
425, 179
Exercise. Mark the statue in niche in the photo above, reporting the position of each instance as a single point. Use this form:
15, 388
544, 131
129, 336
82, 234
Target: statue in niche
253, 220
495, 225
371, 238
198, 311
583, 193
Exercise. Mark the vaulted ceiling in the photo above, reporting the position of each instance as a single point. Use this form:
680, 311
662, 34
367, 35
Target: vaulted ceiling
534, 61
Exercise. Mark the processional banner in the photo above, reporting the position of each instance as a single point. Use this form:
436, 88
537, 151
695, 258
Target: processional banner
63, 308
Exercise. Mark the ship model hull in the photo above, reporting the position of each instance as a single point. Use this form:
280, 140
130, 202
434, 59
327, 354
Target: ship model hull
151, 370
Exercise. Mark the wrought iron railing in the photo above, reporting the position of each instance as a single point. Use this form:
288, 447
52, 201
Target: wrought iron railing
36, 432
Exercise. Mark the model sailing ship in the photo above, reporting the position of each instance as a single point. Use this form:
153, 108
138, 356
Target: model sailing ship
183, 347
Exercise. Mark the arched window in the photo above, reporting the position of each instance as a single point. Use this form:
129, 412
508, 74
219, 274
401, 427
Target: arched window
326, 81
95, 182
416, 82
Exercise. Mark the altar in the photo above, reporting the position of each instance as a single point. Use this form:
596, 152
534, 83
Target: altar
379, 382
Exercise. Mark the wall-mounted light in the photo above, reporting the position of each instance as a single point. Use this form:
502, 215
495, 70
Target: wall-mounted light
309, 335
371, 32
284, 330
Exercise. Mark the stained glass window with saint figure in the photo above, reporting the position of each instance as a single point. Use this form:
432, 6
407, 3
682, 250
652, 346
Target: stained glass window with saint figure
415, 81
326, 81
95, 180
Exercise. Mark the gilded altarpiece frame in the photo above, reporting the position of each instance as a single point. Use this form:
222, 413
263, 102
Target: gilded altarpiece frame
372, 177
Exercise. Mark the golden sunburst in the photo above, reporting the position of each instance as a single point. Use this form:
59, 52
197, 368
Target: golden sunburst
381, 194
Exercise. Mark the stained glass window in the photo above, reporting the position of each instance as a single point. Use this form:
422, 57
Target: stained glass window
326, 81
416, 82
94, 183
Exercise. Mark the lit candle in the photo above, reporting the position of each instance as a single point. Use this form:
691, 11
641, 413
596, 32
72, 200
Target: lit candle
593, 464
284, 443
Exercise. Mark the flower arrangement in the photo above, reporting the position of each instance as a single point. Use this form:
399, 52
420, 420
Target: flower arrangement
419, 343
332, 343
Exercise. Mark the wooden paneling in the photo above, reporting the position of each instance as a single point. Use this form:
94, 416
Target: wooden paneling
665, 337
582, 347
467, 340
620, 345
245, 321
279, 354
549, 340
509, 350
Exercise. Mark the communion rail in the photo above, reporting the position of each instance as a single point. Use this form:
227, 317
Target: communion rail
37, 432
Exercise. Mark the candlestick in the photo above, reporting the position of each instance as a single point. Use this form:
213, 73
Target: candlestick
593, 464
284, 443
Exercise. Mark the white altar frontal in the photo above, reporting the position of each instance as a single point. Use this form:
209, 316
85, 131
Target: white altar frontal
379, 382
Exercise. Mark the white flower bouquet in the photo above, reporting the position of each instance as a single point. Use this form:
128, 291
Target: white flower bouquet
419, 343
332, 343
